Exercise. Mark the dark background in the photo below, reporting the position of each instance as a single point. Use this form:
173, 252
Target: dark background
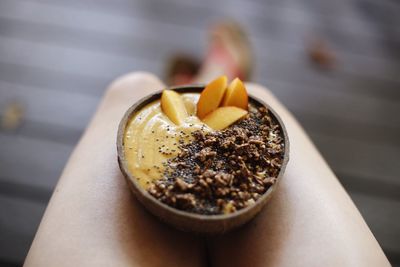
57, 57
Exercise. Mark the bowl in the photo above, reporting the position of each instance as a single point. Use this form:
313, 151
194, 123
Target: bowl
187, 221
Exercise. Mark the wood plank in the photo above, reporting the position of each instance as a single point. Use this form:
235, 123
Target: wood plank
101, 22
66, 109
382, 14
48, 132
70, 60
19, 221
51, 79
27, 192
131, 44
370, 186
355, 158
301, 73
338, 104
346, 30
347, 129
355, 73
34, 162
292, 13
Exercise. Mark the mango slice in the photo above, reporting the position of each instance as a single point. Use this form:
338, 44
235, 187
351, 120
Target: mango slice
211, 96
236, 95
173, 106
222, 117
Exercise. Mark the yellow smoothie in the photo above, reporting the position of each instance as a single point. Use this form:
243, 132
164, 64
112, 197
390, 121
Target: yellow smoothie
151, 138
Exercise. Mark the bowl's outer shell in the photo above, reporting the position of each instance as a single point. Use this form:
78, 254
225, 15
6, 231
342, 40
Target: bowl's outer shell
187, 221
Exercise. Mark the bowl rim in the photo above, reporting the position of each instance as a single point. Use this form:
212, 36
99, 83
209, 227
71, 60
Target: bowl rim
139, 104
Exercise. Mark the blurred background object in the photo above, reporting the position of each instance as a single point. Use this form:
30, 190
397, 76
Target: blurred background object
58, 56
12, 116
320, 54
181, 69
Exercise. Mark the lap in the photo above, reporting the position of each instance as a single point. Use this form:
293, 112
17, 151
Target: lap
310, 221
93, 219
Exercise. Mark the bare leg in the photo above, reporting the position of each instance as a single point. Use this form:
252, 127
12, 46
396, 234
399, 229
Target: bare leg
310, 221
92, 218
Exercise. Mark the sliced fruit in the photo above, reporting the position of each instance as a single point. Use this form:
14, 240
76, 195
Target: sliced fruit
223, 117
172, 105
236, 95
211, 96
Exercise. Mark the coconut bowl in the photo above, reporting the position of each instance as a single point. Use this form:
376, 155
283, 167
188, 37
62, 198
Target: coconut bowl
183, 220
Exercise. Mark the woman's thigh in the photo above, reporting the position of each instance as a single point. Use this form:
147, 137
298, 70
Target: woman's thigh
92, 218
310, 221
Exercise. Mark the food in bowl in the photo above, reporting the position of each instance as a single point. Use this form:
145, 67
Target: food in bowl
210, 153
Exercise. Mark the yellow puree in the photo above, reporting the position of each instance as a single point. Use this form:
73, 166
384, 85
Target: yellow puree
147, 134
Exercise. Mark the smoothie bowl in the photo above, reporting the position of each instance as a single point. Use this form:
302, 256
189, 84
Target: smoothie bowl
203, 158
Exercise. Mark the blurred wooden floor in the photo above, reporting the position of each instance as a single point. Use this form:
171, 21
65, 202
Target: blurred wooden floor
57, 57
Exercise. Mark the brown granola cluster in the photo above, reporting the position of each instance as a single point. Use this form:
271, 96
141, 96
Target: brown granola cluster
224, 171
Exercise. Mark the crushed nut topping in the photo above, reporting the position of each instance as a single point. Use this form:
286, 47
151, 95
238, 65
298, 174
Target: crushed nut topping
224, 171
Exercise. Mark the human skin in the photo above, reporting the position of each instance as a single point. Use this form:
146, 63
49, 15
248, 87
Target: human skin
93, 220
